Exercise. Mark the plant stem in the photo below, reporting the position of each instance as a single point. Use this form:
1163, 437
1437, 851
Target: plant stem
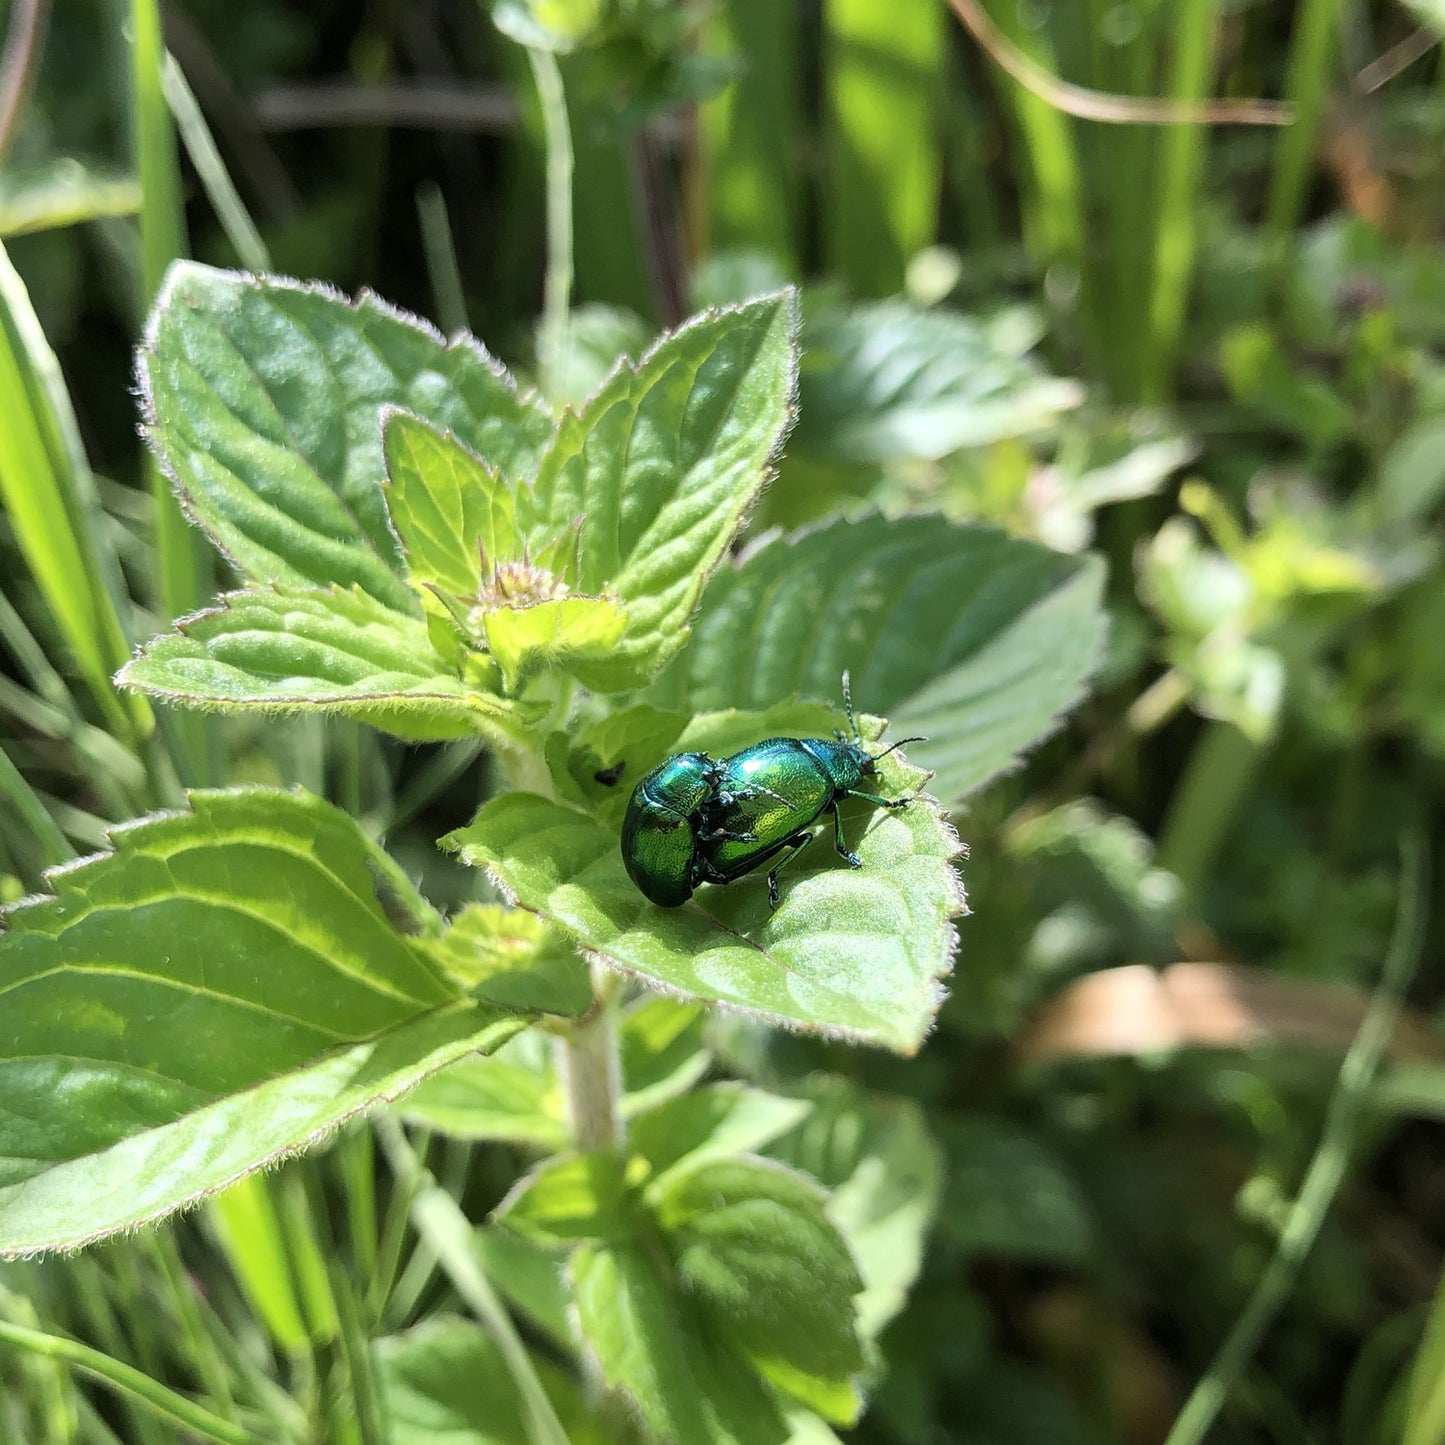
1327, 1168
593, 1073
130, 1381
230, 210
557, 286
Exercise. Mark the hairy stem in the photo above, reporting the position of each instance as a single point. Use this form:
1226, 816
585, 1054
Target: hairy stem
591, 1065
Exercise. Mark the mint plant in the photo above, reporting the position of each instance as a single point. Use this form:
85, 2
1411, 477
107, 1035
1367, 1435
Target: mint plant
426, 547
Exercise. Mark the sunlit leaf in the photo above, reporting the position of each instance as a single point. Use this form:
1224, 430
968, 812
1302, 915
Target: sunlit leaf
661, 465
287, 648
852, 952
222, 990
262, 399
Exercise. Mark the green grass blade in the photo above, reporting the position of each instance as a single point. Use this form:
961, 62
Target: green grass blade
42, 509
448, 294
167, 1403
1316, 31
51, 845
244, 1221
182, 563
884, 69
196, 136
1327, 1168
1425, 1420
53, 409
749, 134
1182, 150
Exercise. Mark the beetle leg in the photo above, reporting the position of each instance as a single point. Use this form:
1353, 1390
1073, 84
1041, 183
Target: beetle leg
799, 841
854, 861
722, 835
877, 801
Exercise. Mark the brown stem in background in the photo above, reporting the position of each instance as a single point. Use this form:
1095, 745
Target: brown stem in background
1101, 105
661, 227
17, 68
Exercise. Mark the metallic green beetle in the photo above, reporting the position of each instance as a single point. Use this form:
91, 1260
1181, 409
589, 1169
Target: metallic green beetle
693, 820
747, 824
666, 823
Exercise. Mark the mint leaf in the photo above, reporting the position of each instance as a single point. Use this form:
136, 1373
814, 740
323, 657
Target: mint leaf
884, 1175
891, 380
515, 1094
660, 466
752, 1242
720, 1119
444, 1382
1010, 1195
452, 512
853, 953
261, 400
662, 1051
512, 1096
514, 960
977, 640
651, 1342
223, 989
560, 632
569, 1198
285, 648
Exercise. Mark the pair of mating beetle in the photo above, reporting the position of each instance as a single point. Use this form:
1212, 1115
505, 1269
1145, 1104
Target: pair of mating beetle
695, 820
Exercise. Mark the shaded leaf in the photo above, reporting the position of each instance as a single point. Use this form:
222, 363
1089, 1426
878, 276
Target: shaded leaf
651, 1343
752, 1242
663, 1055
444, 1382
221, 990
720, 1119
890, 380
531, 1276
1008, 1195
512, 1095
884, 1176
569, 1198
976, 640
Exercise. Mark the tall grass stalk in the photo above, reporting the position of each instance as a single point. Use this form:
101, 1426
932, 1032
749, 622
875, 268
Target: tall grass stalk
40, 516
221, 191
884, 70
1312, 51
1181, 156
182, 565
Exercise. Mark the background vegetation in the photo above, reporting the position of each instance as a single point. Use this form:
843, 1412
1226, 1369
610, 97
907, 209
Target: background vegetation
1211, 352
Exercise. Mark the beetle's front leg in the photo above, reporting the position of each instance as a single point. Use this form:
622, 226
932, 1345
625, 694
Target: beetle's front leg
881, 802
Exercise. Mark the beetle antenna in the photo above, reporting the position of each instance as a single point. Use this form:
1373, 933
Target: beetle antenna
895, 746
848, 706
